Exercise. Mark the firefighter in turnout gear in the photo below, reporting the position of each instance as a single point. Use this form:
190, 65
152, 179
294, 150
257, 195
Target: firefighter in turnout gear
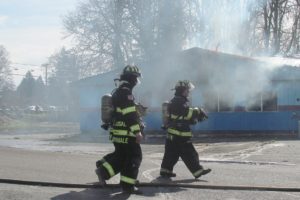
125, 134
178, 142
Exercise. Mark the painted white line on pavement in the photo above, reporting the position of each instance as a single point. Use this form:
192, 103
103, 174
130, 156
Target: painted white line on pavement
147, 173
293, 195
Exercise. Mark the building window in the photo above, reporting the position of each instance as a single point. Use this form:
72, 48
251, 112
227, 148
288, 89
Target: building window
269, 101
264, 101
213, 103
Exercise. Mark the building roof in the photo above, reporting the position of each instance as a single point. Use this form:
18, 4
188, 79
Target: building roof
201, 65
281, 61
97, 79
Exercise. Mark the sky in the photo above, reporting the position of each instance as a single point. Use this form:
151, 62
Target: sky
31, 31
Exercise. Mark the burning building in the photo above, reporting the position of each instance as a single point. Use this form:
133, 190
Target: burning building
240, 94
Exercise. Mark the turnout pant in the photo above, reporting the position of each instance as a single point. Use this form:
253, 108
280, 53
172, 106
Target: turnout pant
176, 147
126, 159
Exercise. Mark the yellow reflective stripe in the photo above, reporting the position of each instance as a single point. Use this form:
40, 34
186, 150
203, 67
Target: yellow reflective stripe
120, 123
175, 132
198, 172
109, 169
127, 110
135, 127
119, 132
123, 140
119, 110
189, 115
128, 180
175, 117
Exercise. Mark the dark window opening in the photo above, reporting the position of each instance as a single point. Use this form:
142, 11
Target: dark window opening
255, 103
224, 106
211, 106
215, 104
269, 101
266, 101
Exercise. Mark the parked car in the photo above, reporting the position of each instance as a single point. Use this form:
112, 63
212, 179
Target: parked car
33, 109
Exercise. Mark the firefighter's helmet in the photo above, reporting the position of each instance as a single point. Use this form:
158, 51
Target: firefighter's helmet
132, 70
184, 84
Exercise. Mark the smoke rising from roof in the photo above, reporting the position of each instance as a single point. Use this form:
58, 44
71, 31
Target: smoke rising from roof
230, 79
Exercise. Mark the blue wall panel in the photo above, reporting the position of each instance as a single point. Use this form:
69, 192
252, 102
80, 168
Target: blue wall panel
153, 121
222, 121
288, 93
249, 121
237, 121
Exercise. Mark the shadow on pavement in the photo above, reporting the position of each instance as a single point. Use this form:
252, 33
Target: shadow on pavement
172, 181
114, 194
189, 181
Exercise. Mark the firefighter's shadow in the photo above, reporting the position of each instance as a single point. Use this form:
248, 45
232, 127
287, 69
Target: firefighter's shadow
189, 181
93, 194
114, 193
161, 180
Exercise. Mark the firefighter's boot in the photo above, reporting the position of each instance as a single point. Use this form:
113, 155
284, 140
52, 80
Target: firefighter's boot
101, 173
167, 174
203, 172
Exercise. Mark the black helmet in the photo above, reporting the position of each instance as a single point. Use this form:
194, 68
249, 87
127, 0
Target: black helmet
131, 70
185, 84
131, 73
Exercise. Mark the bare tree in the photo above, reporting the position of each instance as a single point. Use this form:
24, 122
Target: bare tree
95, 28
5, 72
277, 26
63, 66
112, 33
293, 45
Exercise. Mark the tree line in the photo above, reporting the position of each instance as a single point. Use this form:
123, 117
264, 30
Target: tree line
107, 34
110, 33
36, 91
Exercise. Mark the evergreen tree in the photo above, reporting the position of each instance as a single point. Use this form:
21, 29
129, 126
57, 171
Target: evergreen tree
25, 90
39, 91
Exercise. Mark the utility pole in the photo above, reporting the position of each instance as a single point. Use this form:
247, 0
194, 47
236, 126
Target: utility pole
46, 74
46, 83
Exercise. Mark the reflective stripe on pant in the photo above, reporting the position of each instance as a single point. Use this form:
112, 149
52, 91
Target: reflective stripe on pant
184, 149
126, 159
132, 163
109, 169
128, 180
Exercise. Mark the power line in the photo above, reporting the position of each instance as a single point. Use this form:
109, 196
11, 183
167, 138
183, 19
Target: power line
26, 64
22, 75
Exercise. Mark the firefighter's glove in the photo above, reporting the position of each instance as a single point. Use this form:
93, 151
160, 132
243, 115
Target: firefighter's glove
202, 115
141, 110
105, 126
142, 127
139, 137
